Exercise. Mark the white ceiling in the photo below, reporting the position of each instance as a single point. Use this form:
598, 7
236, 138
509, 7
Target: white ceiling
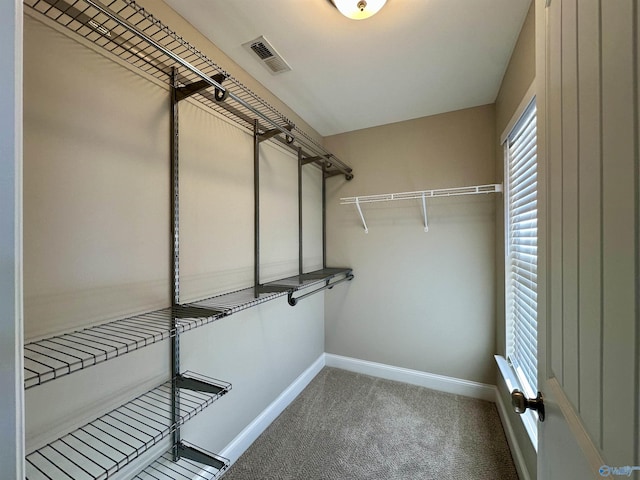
414, 58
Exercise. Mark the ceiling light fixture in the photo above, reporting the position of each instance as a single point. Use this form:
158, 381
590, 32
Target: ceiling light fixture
359, 9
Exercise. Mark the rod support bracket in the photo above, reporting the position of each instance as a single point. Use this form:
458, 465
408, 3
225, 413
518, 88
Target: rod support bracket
276, 131
219, 94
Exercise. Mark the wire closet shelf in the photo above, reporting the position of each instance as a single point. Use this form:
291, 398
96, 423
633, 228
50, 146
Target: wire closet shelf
104, 446
56, 356
165, 468
418, 195
129, 32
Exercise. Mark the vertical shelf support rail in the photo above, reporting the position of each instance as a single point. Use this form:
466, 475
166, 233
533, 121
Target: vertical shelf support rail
300, 266
175, 266
178, 381
256, 209
324, 215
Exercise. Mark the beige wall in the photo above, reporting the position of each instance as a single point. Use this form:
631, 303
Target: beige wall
518, 77
95, 187
96, 213
419, 300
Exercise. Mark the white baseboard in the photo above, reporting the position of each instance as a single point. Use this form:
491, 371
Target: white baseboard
252, 431
516, 452
441, 383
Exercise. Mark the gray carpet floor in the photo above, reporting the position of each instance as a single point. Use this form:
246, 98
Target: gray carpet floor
347, 426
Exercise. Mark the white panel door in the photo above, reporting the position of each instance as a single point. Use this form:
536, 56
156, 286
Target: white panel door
587, 73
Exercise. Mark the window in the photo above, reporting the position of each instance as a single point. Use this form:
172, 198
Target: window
521, 265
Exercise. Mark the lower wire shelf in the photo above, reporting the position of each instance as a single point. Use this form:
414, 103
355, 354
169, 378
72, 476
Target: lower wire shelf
104, 446
60, 355
164, 468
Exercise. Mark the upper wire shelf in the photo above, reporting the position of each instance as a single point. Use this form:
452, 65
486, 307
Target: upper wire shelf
442, 192
128, 31
418, 195
104, 446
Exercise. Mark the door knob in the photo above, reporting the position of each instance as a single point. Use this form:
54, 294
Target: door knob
520, 403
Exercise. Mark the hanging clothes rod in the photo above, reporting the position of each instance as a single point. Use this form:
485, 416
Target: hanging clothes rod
293, 301
418, 195
299, 137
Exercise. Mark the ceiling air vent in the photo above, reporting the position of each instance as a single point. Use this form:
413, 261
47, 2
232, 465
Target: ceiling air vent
268, 56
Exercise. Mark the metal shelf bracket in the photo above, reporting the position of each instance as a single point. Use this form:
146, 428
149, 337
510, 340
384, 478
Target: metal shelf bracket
199, 385
182, 312
197, 455
273, 132
195, 87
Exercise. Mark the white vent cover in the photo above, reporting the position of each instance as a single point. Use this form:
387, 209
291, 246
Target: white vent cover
267, 55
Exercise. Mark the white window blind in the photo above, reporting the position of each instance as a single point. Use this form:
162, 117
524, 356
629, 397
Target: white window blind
522, 249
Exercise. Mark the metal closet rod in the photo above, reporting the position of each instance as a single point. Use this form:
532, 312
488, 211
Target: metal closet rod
321, 151
293, 301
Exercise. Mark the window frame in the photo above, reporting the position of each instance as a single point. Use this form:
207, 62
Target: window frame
510, 376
